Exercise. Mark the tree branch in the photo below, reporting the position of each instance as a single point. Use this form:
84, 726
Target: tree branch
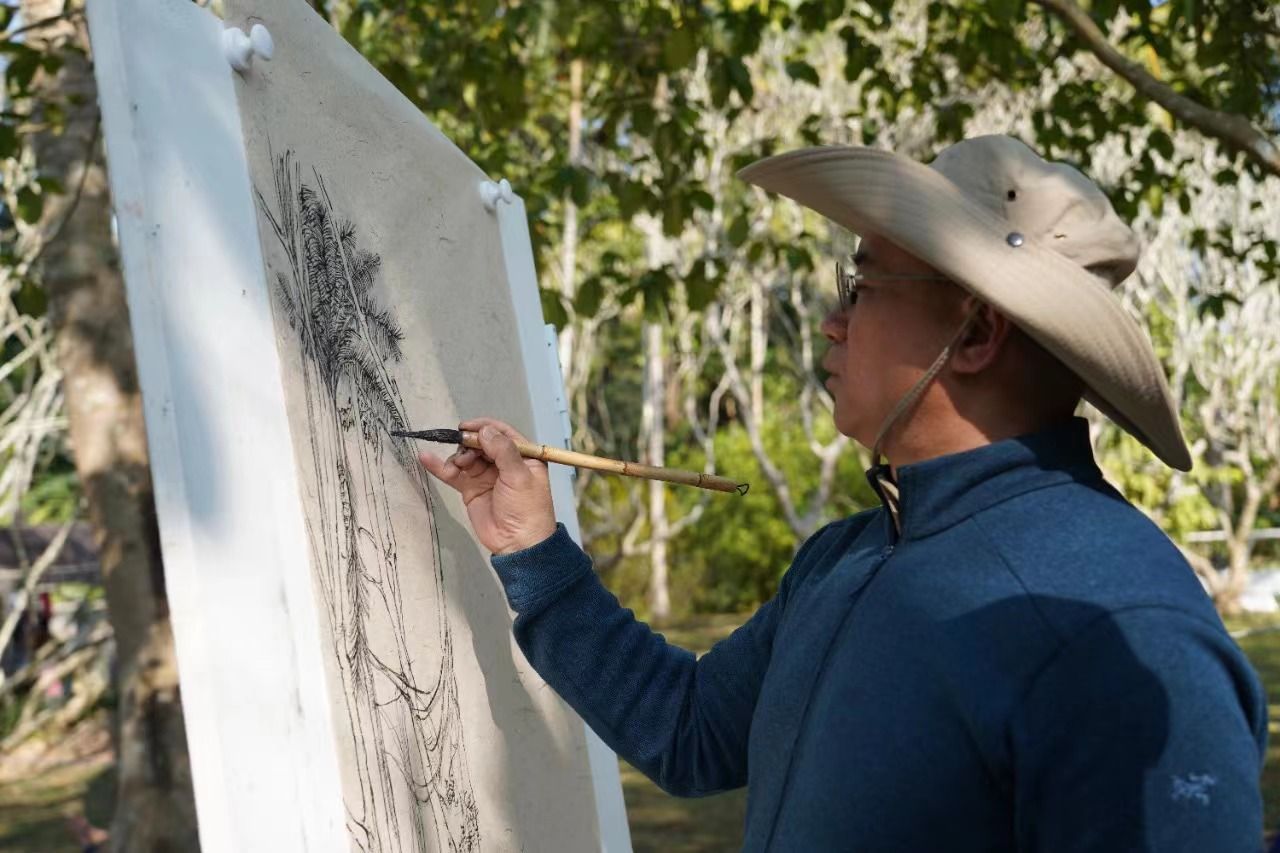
1204, 568
43, 22
1233, 130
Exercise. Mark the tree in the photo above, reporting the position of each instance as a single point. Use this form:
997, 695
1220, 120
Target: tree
51, 85
1214, 314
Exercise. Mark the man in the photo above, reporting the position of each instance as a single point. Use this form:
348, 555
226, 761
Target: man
1006, 655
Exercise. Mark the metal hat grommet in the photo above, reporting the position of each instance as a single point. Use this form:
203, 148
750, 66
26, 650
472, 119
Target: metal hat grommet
1015, 239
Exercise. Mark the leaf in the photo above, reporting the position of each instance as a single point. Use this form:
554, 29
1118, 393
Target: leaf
739, 230
19, 73
803, 71
553, 308
8, 141
1216, 304
699, 287
798, 259
31, 299
586, 302
720, 85
655, 286
702, 199
1160, 141
1005, 11
30, 205
679, 49
352, 26
632, 198
813, 15
674, 214
642, 119
1155, 199
740, 78
17, 50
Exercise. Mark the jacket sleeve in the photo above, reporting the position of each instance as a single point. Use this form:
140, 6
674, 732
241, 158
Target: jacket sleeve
1146, 732
682, 721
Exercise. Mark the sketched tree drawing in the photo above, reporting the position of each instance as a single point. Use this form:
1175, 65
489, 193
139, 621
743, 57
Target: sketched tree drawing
406, 736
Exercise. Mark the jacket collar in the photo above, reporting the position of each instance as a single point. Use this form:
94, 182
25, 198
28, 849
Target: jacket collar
938, 493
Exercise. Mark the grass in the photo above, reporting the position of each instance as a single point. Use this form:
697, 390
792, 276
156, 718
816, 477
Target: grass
34, 811
660, 822
1259, 637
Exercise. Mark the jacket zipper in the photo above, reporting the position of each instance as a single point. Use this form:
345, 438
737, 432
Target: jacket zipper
885, 553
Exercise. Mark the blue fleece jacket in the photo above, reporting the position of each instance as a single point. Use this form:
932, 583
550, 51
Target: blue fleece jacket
1029, 665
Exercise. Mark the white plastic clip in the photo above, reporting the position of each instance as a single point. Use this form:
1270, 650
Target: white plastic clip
491, 193
240, 49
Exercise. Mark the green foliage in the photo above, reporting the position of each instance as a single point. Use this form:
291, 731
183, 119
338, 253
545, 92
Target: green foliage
54, 496
733, 559
1178, 511
494, 76
30, 53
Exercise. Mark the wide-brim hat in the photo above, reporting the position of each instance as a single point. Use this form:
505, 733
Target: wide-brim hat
1036, 240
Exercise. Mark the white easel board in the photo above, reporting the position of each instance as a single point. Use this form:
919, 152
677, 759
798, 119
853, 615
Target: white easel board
309, 263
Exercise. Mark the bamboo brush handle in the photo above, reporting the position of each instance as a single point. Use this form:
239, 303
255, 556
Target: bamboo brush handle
547, 453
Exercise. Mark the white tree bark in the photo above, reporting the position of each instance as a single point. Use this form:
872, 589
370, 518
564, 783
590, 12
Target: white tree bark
569, 248
655, 431
1225, 369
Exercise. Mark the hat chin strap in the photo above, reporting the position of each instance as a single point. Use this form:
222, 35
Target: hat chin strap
909, 400
882, 475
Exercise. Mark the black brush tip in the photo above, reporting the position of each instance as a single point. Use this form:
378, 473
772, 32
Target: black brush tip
443, 436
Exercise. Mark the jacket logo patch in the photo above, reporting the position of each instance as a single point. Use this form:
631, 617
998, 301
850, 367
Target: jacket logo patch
1193, 786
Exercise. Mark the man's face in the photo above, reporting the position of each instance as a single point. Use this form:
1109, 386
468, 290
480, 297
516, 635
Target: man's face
882, 345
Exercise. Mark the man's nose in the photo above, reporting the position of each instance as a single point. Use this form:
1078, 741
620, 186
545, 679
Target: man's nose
833, 325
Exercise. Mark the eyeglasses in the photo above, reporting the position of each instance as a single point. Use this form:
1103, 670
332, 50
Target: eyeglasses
848, 278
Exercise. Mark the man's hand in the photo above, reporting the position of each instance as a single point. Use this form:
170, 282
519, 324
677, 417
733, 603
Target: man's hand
508, 497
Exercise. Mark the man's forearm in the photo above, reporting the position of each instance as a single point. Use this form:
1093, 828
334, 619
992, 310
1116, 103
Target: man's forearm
644, 697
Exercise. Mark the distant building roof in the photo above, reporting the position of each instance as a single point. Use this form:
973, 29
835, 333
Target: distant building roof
76, 563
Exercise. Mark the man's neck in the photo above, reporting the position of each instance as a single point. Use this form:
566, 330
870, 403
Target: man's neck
920, 442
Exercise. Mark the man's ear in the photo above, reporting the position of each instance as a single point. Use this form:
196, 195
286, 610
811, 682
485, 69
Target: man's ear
982, 344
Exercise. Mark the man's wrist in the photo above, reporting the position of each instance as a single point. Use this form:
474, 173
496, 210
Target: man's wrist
533, 539
537, 573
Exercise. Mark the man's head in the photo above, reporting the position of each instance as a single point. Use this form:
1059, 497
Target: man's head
997, 382
1034, 249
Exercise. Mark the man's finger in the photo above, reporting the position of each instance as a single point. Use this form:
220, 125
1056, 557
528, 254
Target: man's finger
502, 450
445, 472
469, 484
477, 424
466, 459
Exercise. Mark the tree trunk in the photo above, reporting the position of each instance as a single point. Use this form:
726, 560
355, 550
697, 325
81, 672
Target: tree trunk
569, 250
659, 525
155, 809
758, 343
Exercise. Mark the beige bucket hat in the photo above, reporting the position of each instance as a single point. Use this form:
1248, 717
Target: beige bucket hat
1036, 240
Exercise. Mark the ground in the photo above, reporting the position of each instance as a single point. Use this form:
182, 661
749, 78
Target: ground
1259, 636
39, 791
44, 787
669, 824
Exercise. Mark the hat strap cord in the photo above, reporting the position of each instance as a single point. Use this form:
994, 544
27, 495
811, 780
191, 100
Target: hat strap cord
913, 396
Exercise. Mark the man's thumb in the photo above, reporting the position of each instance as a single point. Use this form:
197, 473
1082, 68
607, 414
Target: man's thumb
502, 450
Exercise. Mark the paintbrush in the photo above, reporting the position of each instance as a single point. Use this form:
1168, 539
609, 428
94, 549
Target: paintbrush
583, 460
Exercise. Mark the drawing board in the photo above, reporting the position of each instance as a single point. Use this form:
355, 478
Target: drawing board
310, 265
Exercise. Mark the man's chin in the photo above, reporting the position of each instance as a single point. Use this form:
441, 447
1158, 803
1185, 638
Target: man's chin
852, 426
